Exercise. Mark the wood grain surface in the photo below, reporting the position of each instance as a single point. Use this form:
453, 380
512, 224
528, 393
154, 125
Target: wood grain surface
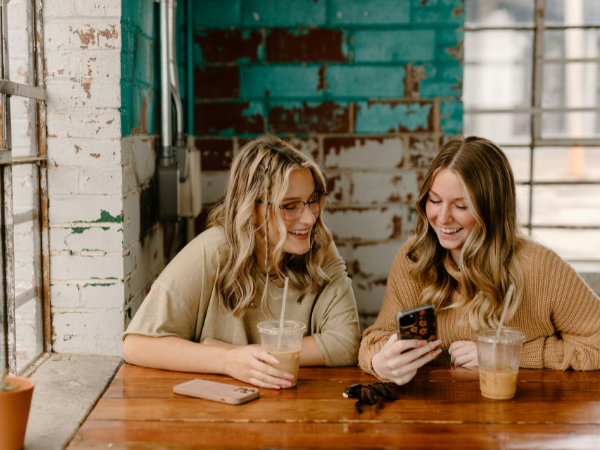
440, 408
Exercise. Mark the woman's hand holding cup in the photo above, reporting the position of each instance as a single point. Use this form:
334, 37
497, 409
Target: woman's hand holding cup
399, 360
250, 364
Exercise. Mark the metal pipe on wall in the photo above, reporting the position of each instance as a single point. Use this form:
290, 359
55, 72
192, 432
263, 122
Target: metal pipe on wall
174, 76
165, 91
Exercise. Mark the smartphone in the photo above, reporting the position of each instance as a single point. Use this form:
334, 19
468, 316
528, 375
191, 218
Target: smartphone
219, 392
417, 323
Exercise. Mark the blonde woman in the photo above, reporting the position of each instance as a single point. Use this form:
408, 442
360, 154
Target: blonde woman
201, 313
465, 253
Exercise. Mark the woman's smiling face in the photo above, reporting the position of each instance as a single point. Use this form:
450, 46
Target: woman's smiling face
448, 213
301, 187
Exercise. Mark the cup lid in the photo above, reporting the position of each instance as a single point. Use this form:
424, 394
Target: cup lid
507, 336
273, 327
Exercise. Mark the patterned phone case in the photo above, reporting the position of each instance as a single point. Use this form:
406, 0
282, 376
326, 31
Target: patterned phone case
424, 326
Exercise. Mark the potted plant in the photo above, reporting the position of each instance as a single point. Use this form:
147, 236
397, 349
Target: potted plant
15, 399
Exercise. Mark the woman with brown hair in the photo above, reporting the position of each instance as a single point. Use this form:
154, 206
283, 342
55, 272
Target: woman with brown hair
465, 253
202, 313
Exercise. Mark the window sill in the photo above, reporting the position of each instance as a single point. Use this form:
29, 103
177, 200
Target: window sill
67, 387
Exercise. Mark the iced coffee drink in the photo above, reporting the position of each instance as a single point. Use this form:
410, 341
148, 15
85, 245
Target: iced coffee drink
283, 343
499, 357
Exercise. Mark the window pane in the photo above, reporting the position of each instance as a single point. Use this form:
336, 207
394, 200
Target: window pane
523, 205
566, 164
519, 161
498, 65
571, 244
498, 12
504, 128
571, 125
29, 313
583, 12
581, 43
22, 109
571, 85
566, 205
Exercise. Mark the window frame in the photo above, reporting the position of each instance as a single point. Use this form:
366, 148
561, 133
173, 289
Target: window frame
36, 92
536, 110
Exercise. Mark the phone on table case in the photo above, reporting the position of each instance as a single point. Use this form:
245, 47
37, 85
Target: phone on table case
219, 392
417, 323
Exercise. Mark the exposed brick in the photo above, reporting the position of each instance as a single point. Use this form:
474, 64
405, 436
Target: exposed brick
216, 82
228, 119
393, 116
216, 154
374, 260
380, 188
370, 12
276, 13
369, 294
309, 117
422, 151
338, 187
367, 152
306, 45
280, 81
370, 224
228, 45
394, 45
308, 146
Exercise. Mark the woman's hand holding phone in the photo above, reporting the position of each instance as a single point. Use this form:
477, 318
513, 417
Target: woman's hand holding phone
464, 353
399, 360
251, 364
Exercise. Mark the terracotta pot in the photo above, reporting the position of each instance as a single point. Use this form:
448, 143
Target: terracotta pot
14, 411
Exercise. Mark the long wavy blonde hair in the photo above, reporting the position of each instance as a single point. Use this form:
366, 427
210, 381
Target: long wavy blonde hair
260, 172
489, 262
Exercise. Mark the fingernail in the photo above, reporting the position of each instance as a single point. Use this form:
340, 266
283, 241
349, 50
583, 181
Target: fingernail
275, 361
276, 386
288, 383
289, 375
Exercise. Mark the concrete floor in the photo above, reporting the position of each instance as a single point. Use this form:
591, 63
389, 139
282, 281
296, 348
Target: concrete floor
67, 388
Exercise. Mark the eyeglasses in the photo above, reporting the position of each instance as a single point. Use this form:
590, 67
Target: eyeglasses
293, 211
369, 394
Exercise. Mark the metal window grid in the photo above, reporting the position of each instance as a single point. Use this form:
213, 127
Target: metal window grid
536, 109
36, 92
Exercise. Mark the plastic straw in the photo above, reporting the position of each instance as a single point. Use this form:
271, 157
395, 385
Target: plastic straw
285, 290
507, 300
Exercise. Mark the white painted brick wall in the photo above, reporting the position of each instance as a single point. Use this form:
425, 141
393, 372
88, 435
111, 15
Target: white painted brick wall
82, 42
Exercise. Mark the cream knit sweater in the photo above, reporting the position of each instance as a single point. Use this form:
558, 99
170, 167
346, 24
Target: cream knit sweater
559, 313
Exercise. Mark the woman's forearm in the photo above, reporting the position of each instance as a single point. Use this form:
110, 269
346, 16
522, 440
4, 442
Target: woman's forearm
310, 355
173, 353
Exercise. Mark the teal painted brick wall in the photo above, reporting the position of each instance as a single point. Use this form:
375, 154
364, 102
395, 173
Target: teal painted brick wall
370, 89
338, 52
139, 76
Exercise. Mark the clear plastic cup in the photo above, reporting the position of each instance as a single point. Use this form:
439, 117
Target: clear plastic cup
499, 359
284, 343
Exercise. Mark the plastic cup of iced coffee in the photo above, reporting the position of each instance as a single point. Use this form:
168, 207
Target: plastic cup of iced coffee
499, 358
284, 343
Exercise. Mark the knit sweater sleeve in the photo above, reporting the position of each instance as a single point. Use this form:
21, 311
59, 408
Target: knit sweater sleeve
575, 316
401, 293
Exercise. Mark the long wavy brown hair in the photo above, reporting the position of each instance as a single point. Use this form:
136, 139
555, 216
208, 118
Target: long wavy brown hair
489, 262
260, 172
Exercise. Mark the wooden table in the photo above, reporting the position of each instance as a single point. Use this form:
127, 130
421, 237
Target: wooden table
440, 408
